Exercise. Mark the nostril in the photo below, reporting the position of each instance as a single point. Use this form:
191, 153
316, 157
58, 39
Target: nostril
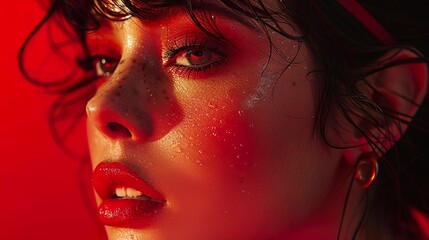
119, 130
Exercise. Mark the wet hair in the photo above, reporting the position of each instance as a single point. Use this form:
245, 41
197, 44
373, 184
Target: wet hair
319, 25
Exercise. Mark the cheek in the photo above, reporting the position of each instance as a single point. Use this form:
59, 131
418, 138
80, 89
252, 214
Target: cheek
220, 134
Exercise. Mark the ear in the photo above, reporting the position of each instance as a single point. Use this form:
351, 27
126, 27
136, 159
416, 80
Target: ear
396, 91
402, 87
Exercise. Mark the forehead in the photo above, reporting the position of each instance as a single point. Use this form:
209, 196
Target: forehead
202, 13
152, 10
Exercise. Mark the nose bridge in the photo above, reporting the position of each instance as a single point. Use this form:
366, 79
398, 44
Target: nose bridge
129, 105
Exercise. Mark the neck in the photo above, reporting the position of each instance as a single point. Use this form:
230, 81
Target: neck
331, 221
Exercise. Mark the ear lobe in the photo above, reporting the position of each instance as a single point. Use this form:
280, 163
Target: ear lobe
397, 91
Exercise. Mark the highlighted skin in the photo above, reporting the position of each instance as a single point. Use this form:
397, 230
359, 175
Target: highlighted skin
219, 128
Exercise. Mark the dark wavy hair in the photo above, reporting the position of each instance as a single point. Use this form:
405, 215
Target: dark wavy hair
403, 180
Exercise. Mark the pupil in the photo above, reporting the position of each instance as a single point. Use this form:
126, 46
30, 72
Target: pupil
198, 53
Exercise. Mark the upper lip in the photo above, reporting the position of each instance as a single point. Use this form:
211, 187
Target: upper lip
108, 176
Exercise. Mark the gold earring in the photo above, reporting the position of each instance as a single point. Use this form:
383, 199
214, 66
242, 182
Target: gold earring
366, 170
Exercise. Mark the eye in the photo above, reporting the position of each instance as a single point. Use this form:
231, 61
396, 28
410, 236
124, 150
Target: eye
104, 66
197, 58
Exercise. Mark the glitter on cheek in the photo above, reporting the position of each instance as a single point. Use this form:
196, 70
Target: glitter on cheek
265, 85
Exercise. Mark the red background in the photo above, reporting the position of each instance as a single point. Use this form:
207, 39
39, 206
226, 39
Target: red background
40, 186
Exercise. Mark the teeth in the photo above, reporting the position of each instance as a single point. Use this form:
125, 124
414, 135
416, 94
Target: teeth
133, 193
127, 192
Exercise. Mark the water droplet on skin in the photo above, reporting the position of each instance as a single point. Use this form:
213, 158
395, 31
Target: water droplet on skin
178, 149
212, 105
240, 113
213, 17
238, 156
221, 121
200, 151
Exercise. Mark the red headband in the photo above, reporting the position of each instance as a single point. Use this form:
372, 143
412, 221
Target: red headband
367, 20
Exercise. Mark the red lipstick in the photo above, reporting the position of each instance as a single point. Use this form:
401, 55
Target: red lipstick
127, 200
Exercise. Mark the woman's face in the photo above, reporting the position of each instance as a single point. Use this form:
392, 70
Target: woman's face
218, 134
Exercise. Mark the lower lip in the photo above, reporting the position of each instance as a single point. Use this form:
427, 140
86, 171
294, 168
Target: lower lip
130, 213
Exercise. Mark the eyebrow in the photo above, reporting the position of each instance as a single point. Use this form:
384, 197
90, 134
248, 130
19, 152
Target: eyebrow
207, 8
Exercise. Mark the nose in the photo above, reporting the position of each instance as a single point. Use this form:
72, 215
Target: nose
125, 107
137, 103
120, 111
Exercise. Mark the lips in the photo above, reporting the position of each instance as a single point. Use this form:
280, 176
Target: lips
127, 200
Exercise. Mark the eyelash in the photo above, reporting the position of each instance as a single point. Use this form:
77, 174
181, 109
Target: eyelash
171, 54
187, 47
